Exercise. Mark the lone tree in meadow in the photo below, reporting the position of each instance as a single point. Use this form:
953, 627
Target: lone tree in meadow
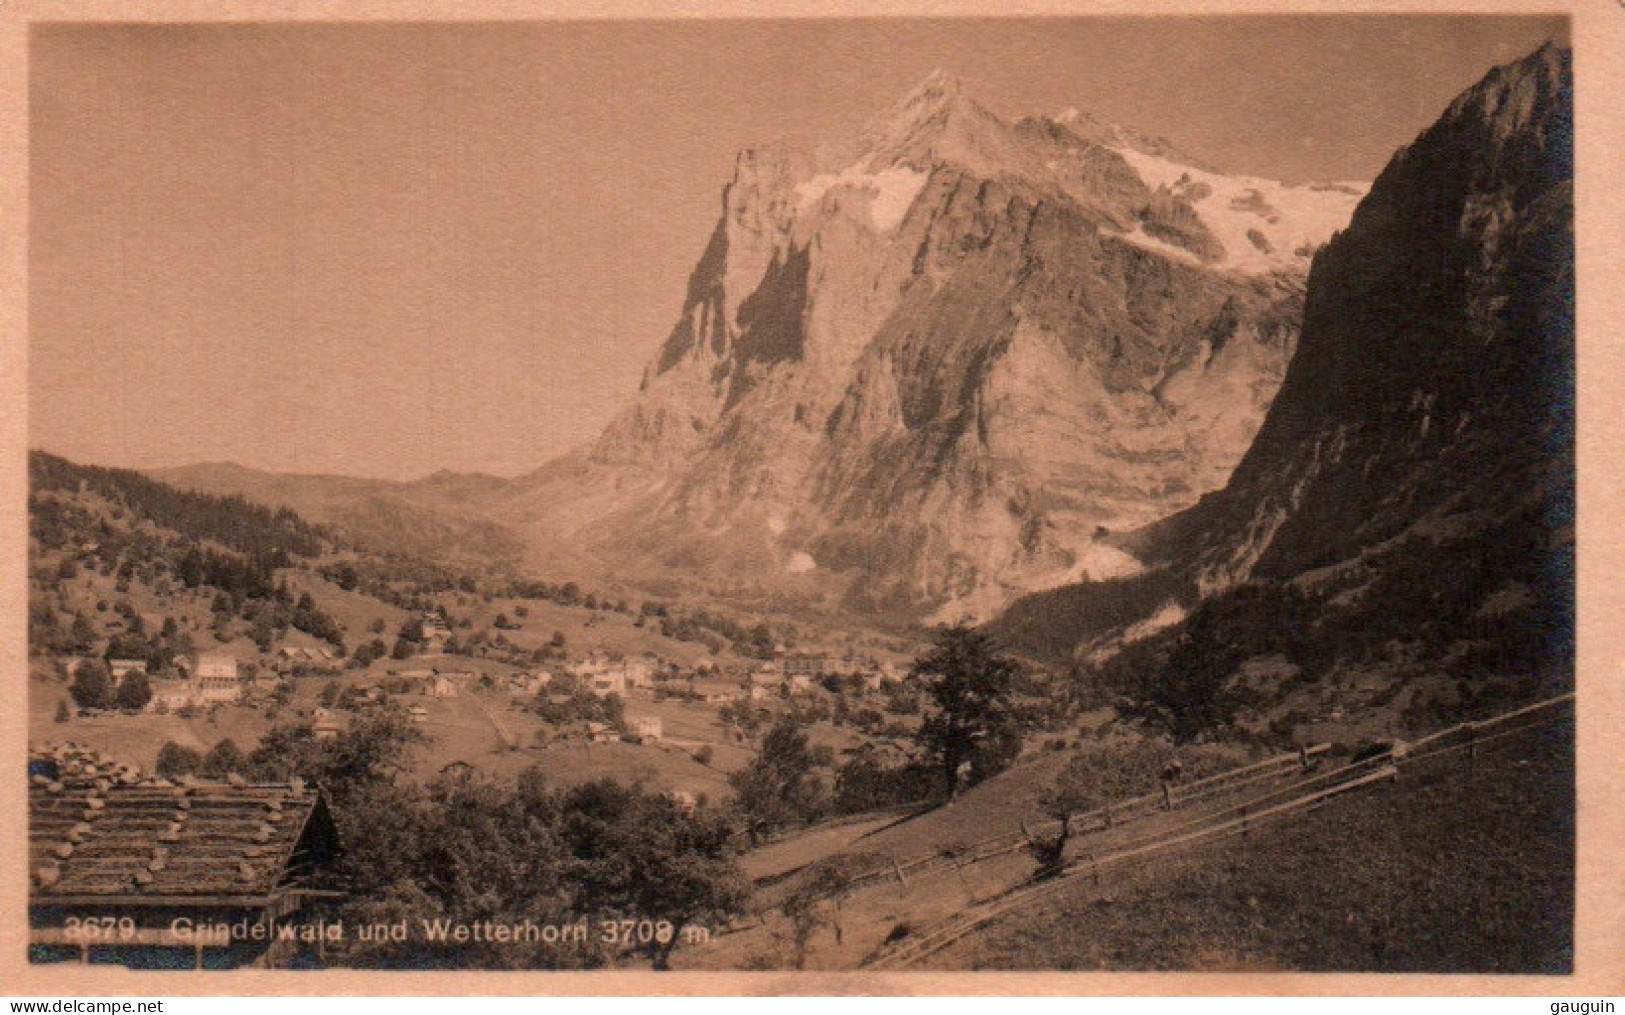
1098, 776
972, 723
777, 789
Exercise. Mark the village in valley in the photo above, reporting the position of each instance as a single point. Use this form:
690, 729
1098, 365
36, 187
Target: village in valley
502, 707
582, 683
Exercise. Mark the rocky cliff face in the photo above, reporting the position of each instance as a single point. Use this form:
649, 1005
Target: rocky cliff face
1412, 487
1433, 386
927, 378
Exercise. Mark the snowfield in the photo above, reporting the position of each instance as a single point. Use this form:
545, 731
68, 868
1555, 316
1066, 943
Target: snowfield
1291, 220
891, 191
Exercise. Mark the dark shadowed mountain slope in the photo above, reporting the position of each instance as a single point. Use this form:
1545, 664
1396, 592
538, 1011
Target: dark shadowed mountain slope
1411, 491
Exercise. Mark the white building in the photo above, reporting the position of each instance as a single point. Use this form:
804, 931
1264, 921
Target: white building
604, 675
121, 668
215, 679
765, 684
171, 695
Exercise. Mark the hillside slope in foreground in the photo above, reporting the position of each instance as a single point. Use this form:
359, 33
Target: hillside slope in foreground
1459, 867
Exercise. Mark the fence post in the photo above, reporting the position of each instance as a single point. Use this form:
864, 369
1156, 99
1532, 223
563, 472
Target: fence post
1472, 743
1167, 798
898, 871
1303, 757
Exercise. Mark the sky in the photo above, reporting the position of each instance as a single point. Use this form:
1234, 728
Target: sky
384, 250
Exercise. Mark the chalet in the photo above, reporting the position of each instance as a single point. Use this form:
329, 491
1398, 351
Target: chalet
442, 686
614, 676
327, 725
766, 682
169, 865
685, 801
418, 714
436, 633
215, 679
413, 681
529, 683
601, 733
121, 668
595, 662
648, 728
171, 695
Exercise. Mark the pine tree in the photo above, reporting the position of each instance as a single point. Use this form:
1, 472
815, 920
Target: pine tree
973, 724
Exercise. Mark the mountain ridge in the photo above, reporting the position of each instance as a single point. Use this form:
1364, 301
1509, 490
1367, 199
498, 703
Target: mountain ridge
908, 309
923, 381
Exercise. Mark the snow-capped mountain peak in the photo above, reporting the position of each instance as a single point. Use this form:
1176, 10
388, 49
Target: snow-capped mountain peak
1174, 204
928, 375
940, 123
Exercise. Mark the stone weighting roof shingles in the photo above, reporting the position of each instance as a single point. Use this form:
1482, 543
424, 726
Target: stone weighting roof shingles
114, 835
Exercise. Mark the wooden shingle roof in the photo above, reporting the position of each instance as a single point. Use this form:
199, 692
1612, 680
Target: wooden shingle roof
151, 842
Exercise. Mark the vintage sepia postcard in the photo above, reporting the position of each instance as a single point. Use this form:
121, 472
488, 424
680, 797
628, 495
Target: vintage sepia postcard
535, 500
